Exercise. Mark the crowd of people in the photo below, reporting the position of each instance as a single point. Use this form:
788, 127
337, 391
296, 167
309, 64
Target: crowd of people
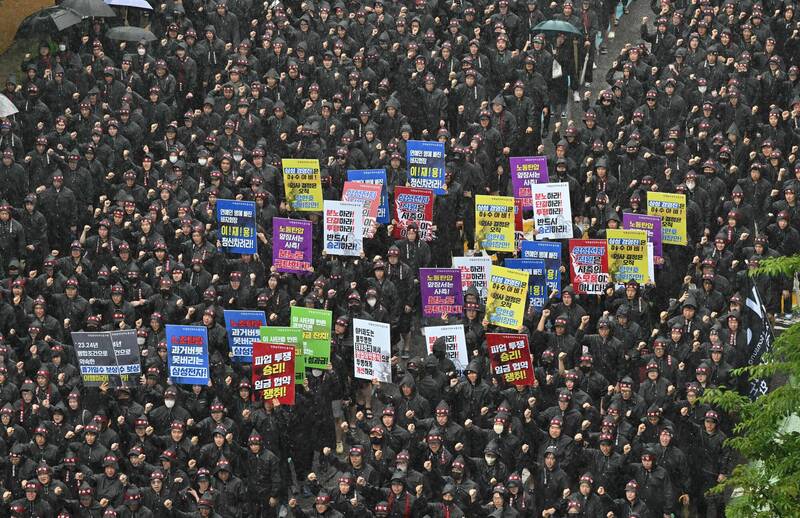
112, 168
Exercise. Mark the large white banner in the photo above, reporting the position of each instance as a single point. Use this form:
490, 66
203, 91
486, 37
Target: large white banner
372, 350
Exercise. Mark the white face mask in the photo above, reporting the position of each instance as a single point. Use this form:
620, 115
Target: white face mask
316, 373
498, 429
490, 459
237, 158
690, 185
169, 403
372, 302
62, 47
141, 52
140, 340
702, 89
202, 161
173, 159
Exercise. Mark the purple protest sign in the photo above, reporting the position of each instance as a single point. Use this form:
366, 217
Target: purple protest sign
650, 224
292, 245
527, 170
440, 289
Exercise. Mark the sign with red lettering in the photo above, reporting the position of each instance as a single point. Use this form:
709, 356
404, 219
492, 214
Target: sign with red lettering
551, 210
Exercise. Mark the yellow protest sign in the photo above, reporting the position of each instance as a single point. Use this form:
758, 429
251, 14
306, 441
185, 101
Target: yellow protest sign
627, 255
302, 184
672, 209
494, 223
508, 290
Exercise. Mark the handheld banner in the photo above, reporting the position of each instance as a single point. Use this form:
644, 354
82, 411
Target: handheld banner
107, 357
343, 228
243, 328
505, 306
527, 171
650, 224
672, 209
425, 160
273, 372
292, 246
474, 273
372, 350
552, 213
494, 223
627, 255
287, 336
236, 223
377, 177
187, 354
454, 341
550, 253
510, 358
302, 184
316, 326
440, 289
413, 205
537, 283
369, 197
588, 263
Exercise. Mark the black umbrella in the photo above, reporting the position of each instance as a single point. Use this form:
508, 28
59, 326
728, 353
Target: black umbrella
90, 8
130, 33
46, 21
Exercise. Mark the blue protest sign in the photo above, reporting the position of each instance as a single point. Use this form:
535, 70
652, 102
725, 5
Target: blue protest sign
236, 223
243, 328
187, 354
378, 177
425, 162
537, 285
550, 253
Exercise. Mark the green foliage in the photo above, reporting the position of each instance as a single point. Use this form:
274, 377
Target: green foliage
769, 485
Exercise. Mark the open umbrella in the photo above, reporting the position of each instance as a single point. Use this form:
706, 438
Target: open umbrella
130, 33
47, 21
138, 4
7, 108
557, 26
90, 8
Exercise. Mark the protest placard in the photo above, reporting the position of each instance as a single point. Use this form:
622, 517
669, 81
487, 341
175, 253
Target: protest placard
243, 328
650, 224
440, 289
510, 357
343, 228
526, 171
454, 341
292, 246
627, 255
187, 354
412, 205
508, 289
236, 224
369, 197
552, 213
588, 262
550, 253
377, 177
671, 207
494, 223
474, 273
302, 184
287, 336
273, 372
107, 357
372, 350
425, 161
316, 327
537, 282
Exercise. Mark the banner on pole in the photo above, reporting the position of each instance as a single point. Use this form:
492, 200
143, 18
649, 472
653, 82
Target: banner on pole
302, 183
369, 197
287, 336
650, 224
344, 228
527, 171
455, 343
494, 223
440, 289
377, 177
413, 205
316, 326
505, 306
552, 213
510, 358
550, 253
425, 160
273, 372
107, 357
372, 350
474, 273
588, 262
187, 354
292, 246
537, 282
243, 328
672, 209
627, 255
236, 223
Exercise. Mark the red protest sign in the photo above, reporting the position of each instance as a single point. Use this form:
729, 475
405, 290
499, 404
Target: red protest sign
510, 357
273, 372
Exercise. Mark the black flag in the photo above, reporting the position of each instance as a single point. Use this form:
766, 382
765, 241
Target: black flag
759, 336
